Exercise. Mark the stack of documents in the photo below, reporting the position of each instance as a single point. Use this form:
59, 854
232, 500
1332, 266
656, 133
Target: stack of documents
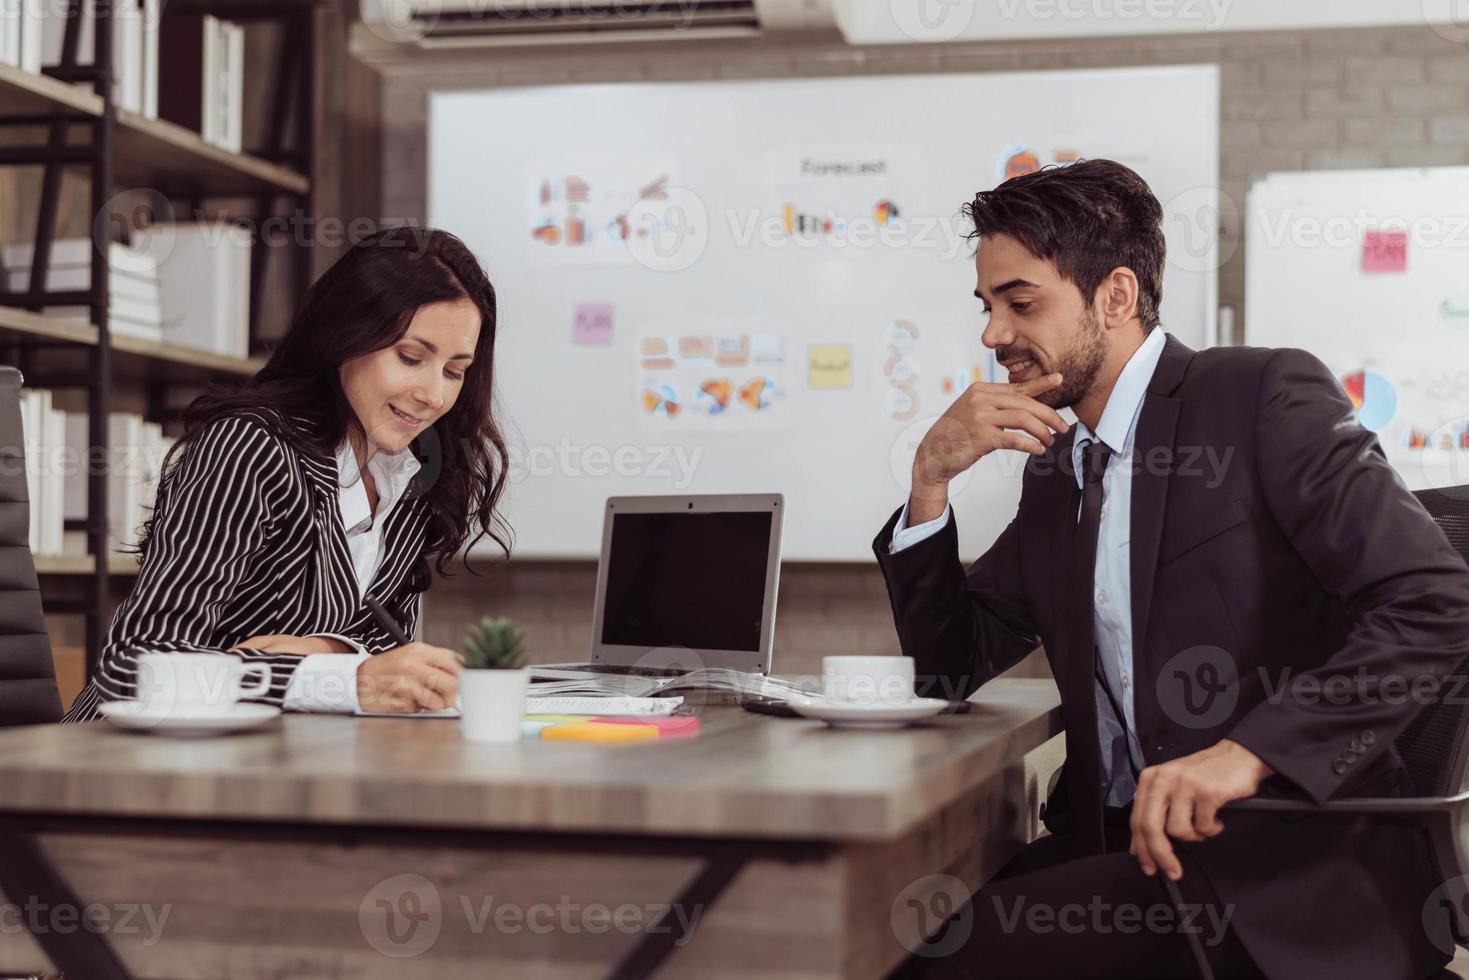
719, 679
607, 705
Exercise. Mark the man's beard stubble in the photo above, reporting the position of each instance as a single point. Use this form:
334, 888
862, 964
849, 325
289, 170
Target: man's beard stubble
1079, 365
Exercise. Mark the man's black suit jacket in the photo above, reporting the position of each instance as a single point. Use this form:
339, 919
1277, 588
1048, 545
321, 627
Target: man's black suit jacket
1288, 592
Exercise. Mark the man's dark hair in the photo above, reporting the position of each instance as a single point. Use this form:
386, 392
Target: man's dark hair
1087, 218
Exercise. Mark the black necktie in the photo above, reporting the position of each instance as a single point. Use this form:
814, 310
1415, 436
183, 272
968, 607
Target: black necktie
1083, 753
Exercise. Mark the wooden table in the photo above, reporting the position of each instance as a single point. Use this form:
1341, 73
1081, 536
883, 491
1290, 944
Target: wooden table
341, 847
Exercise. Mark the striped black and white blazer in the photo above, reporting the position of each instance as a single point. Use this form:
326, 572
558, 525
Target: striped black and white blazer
248, 540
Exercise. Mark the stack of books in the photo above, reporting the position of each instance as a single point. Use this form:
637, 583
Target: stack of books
184, 283
136, 449
135, 43
58, 467
22, 38
44, 428
135, 295
203, 78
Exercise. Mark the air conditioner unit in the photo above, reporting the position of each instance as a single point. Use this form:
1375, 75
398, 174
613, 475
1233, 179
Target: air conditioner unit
459, 24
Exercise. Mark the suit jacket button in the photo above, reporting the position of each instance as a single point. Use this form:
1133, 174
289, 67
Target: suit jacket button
1356, 745
1352, 758
1368, 737
1338, 766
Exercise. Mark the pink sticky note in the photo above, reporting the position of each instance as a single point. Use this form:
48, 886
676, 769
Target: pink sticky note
668, 726
1385, 251
592, 325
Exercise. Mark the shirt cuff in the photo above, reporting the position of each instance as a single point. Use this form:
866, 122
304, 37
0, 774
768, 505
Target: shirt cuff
325, 682
356, 647
906, 537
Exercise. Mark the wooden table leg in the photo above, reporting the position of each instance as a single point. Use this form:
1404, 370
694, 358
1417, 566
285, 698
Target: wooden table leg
669, 931
27, 875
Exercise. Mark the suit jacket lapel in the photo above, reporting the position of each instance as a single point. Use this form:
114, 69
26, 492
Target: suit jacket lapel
1153, 458
402, 541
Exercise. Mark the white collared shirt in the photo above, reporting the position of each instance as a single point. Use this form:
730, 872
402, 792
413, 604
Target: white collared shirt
391, 474
1112, 585
328, 681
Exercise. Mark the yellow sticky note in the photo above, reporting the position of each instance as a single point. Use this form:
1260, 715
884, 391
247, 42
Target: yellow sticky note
830, 366
593, 732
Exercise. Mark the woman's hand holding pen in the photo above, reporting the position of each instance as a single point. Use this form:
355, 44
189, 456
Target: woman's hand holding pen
412, 677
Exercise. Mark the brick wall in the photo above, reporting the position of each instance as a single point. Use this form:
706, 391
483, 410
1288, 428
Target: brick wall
1289, 101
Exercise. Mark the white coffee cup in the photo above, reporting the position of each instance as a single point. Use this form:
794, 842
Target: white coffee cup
884, 681
198, 683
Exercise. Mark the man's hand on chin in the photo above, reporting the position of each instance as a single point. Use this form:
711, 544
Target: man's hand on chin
1182, 799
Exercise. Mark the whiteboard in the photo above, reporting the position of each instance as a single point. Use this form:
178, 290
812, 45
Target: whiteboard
1369, 270
762, 286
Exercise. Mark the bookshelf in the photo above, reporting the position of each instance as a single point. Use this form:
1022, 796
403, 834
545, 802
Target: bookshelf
62, 125
152, 153
119, 565
157, 153
133, 359
24, 93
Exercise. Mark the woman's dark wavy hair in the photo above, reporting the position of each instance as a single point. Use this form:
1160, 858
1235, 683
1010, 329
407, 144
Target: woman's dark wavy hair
362, 304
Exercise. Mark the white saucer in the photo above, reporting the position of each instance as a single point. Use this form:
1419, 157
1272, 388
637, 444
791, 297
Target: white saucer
168, 720
839, 715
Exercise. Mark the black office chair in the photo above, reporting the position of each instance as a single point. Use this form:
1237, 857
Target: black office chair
1433, 747
27, 673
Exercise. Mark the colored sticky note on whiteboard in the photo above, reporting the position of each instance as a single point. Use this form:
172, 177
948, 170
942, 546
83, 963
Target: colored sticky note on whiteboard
1385, 251
591, 326
830, 366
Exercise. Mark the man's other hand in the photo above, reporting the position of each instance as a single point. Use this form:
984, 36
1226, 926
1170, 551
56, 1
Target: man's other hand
1181, 799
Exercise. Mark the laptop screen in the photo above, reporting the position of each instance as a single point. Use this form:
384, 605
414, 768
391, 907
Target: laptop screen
687, 579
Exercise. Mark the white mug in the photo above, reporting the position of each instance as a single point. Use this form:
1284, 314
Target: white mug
886, 681
198, 683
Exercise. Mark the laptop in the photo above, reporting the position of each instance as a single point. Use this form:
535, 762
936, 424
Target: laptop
684, 583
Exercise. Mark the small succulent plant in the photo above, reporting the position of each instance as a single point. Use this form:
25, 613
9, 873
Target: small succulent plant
494, 644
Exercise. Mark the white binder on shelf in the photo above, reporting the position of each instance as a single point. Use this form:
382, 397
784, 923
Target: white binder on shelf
204, 275
10, 32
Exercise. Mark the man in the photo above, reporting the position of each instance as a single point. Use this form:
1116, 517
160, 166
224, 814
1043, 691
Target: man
1233, 589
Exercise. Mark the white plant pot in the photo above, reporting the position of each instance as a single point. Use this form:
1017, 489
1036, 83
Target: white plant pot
492, 704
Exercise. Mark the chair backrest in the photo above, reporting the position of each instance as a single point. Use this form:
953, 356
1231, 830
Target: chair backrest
1434, 746
27, 673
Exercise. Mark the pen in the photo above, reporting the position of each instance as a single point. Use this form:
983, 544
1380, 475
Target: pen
395, 632
386, 621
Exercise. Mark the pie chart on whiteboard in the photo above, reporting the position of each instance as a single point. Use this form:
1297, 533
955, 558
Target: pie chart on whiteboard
1373, 397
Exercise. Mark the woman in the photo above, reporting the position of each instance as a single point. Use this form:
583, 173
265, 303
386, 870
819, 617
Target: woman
360, 452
